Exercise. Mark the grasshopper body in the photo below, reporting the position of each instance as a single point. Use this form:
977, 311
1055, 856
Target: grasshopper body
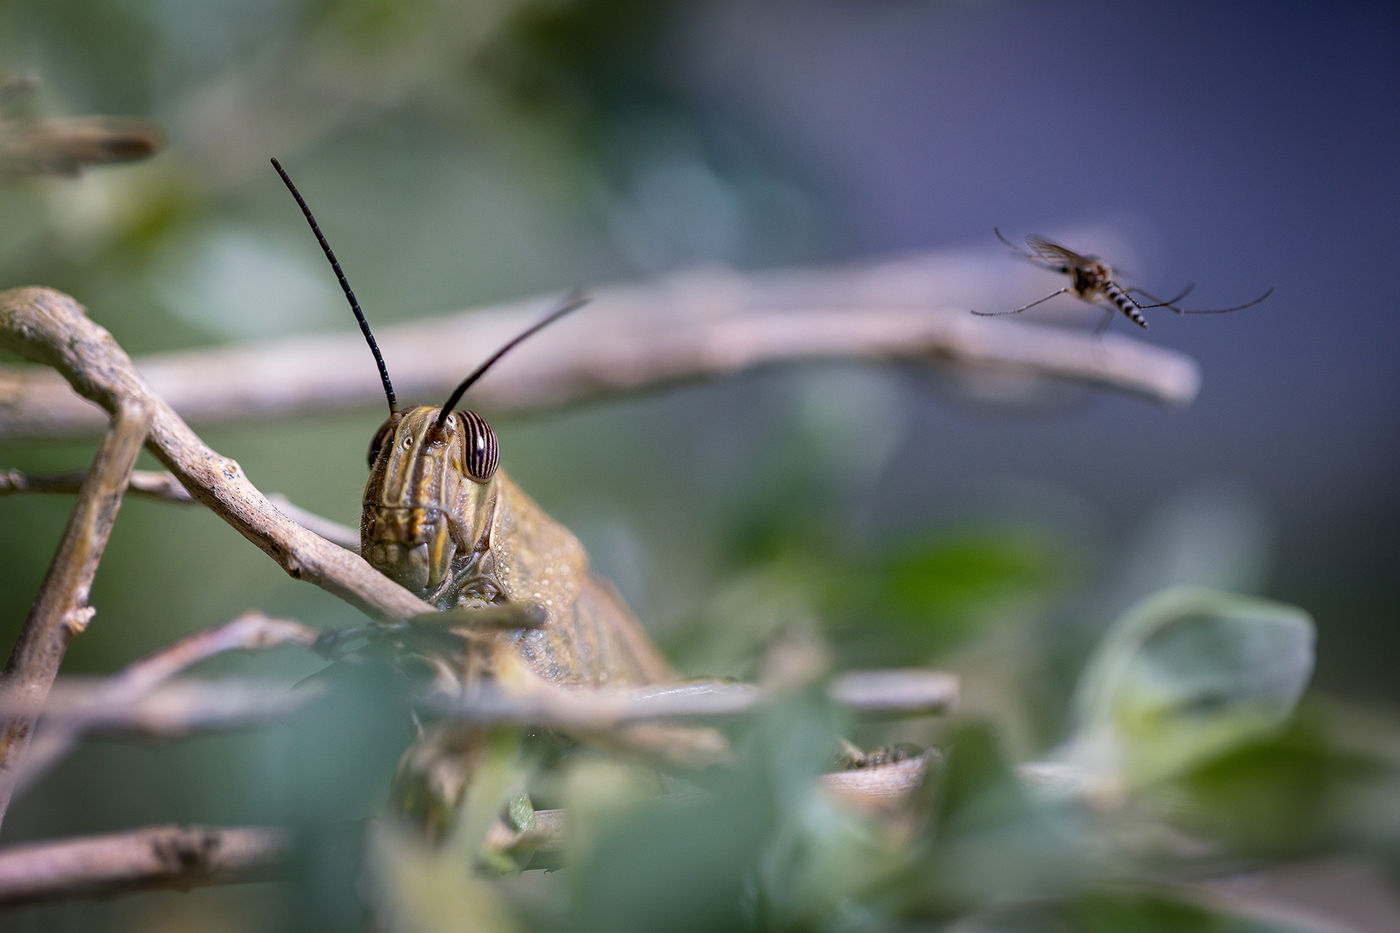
444, 522
441, 520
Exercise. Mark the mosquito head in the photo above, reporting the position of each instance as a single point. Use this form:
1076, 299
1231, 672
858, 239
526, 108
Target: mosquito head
344, 286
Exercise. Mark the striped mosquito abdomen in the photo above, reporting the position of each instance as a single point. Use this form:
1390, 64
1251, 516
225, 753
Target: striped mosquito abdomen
1123, 302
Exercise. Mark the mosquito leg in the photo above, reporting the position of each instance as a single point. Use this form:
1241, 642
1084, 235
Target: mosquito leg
1025, 307
1102, 326
1172, 303
1247, 304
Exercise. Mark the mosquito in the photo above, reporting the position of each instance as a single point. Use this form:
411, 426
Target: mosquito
1091, 277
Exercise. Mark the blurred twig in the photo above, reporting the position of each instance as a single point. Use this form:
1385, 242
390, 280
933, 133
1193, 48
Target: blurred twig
592, 709
194, 856
153, 484
109, 704
122, 694
171, 856
153, 857
48, 327
60, 611
700, 325
65, 146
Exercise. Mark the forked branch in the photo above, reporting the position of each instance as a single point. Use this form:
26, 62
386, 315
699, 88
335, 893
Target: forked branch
61, 611
50, 328
154, 484
122, 694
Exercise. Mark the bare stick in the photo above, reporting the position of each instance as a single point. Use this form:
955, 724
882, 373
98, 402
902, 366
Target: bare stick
83, 705
688, 327
48, 327
185, 707
65, 146
251, 631
153, 857
60, 611
154, 484
194, 856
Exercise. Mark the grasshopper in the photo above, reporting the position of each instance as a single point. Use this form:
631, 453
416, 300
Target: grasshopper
443, 520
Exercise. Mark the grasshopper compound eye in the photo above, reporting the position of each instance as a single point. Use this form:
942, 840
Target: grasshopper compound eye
479, 442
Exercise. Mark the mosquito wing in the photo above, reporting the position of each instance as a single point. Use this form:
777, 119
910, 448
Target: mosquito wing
1056, 255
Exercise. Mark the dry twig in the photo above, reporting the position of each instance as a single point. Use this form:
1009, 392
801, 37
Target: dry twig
169, 856
61, 611
700, 325
48, 327
153, 857
65, 146
598, 710
154, 484
122, 695
188, 705
192, 856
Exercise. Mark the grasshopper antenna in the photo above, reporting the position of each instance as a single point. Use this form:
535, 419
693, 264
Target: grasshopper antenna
572, 302
345, 287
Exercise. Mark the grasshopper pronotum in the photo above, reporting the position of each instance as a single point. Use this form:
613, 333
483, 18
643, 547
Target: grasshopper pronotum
442, 520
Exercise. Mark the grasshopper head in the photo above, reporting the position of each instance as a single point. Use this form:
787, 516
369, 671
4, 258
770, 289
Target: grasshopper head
427, 505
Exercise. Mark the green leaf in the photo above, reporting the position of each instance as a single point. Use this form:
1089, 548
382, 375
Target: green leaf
1144, 909
1186, 675
989, 840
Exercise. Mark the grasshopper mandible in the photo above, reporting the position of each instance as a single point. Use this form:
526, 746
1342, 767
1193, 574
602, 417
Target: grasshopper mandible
444, 521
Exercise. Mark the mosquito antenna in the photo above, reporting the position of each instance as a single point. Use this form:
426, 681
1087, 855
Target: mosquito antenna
344, 286
571, 302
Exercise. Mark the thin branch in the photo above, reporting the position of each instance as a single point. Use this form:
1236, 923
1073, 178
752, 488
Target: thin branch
48, 327
155, 484
154, 857
65, 146
595, 710
125, 692
61, 610
184, 706
194, 856
147, 484
893, 692
693, 326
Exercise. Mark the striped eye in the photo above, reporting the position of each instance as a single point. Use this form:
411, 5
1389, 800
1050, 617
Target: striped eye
480, 443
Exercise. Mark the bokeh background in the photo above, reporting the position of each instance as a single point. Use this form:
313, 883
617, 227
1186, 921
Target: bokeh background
458, 154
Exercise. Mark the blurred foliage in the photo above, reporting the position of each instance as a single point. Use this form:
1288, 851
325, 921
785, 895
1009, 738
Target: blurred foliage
988, 843
1185, 674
